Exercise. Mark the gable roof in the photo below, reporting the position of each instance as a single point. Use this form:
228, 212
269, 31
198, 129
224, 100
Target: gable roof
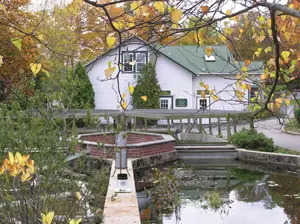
192, 58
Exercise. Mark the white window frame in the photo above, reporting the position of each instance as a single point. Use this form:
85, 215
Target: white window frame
207, 99
140, 62
127, 63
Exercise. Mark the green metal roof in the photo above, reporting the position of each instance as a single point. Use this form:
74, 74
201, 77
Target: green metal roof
192, 58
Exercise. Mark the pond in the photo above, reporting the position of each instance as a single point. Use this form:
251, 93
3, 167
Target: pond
221, 193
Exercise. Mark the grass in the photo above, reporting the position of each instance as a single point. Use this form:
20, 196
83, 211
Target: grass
293, 126
286, 151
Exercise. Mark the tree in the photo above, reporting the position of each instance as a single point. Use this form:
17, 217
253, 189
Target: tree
148, 86
84, 96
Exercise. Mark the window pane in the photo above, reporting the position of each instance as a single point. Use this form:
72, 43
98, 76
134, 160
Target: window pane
127, 57
164, 104
140, 66
202, 104
141, 57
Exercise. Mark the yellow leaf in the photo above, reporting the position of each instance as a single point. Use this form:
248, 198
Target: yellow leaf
203, 94
124, 105
159, 6
26, 176
208, 51
4, 9
247, 62
47, 219
261, 19
135, 7
2, 170
110, 40
131, 89
268, 49
287, 101
144, 98
244, 69
11, 158
46, 72
132, 63
73, 221
287, 35
264, 76
238, 76
17, 42
276, 105
229, 30
123, 95
270, 32
176, 15
1, 60
109, 71
118, 25
204, 9
215, 97
285, 55
30, 165
35, 68
78, 195
206, 86
227, 12
258, 51
279, 100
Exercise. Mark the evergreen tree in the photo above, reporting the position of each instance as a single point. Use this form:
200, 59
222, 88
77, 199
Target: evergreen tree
84, 96
147, 85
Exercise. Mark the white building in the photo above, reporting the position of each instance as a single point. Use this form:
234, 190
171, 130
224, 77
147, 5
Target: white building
179, 69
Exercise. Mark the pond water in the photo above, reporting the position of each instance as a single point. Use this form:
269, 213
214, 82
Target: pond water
229, 193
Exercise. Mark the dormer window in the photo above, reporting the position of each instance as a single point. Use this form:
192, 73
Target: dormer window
210, 58
134, 61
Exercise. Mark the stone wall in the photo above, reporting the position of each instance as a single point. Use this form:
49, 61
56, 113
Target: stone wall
268, 157
133, 151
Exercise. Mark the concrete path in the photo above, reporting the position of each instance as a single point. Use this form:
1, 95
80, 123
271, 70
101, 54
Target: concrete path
272, 129
121, 208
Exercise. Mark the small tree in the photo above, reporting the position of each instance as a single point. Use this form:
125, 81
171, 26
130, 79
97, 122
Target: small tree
84, 96
148, 86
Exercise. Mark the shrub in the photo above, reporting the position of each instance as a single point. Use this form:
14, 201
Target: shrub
251, 139
297, 115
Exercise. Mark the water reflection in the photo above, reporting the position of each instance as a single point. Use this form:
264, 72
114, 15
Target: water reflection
241, 196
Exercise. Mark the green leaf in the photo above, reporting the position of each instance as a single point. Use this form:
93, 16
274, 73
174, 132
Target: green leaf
17, 42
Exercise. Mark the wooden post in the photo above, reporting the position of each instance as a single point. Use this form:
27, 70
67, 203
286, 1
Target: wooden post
251, 122
181, 125
134, 123
219, 127
200, 126
209, 127
169, 126
228, 126
234, 125
73, 123
146, 125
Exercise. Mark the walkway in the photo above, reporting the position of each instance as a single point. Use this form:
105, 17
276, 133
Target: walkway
121, 207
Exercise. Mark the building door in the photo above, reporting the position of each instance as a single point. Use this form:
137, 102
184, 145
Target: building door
166, 103
203, 104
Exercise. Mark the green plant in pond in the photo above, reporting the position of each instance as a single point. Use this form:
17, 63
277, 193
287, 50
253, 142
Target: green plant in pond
166, 193
246, 175
214, 199
252, 140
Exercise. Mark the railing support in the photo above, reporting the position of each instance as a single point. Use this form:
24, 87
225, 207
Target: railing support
219, 127
209, 127
146, 125
228, 126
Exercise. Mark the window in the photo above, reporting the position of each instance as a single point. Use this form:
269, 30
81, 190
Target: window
141, 60
127, 60
253, 92
134, 61
210, 58
203, 104
164, 104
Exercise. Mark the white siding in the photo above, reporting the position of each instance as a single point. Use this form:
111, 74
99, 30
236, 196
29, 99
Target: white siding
106, 96
175, 78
